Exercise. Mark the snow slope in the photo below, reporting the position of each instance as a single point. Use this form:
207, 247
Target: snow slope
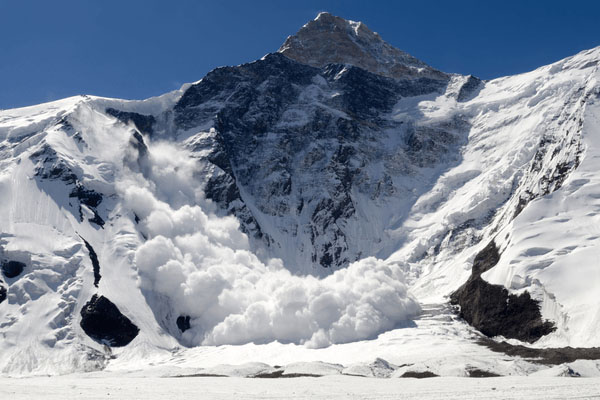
301, 213
551, 248
522, 146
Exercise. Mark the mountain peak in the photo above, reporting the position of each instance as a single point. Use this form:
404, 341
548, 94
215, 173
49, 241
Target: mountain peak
329, 39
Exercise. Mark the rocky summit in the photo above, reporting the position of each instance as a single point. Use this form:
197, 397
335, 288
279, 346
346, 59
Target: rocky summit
333, 40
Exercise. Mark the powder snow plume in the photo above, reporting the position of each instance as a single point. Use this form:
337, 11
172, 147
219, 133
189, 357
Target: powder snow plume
202, 266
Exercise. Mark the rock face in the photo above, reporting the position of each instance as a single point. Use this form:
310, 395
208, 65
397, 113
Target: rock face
12, 269
333, 40
54, 167
102, 321
469, 89
2, 293
144, 123
295, 150
492, 310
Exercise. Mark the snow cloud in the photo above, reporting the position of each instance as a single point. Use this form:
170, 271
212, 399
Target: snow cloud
199, 264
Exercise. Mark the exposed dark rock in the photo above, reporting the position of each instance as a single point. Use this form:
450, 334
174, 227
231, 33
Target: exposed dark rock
222, 190
2, 293
138, 142
95, 263
548, 356
102, 321
418, 375
281, 374
139, 162
544, 176
144, 123
236, 87
273, 374
524, 199
493, 310
96, 219
276, 121
486, 259
469, 89
90, 198
51, 166
480, 373
573, 374
425, 144
333, 40
86, 196
183, 323
12, 269
366, 95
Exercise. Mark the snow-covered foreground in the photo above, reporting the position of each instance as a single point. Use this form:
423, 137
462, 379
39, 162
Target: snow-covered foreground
107, 386
437, 343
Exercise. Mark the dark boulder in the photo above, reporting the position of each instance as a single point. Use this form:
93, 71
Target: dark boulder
493, 310
183, 323
418, 375
102, 321
12, 269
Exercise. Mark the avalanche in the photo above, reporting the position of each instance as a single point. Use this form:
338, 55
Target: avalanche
202, 265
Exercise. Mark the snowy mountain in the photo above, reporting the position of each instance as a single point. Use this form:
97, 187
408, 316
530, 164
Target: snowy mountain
328, 196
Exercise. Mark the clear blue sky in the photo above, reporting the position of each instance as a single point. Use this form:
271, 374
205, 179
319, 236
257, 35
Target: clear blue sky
50, 49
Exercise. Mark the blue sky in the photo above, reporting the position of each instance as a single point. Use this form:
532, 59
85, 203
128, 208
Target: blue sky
137, 49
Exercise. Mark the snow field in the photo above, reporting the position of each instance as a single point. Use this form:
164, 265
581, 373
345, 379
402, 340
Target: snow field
109, 386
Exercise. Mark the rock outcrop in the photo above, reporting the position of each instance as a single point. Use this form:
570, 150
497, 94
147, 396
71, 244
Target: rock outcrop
94, 260
493, 310
12, 269
102, 321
